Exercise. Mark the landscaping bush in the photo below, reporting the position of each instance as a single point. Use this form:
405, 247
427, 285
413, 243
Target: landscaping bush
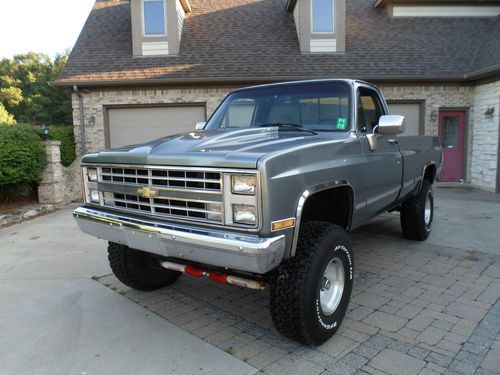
22, 159
63, 133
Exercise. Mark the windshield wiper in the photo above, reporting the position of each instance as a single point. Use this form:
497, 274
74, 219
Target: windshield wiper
290, 125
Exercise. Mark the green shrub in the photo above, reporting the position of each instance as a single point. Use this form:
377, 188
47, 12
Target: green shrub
22, 159
64, 133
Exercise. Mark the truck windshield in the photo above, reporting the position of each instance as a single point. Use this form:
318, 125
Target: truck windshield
315, 106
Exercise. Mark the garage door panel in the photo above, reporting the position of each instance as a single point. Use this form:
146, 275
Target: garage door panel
143, 124
411, 111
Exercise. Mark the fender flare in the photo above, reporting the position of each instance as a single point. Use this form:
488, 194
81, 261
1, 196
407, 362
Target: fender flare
302, 202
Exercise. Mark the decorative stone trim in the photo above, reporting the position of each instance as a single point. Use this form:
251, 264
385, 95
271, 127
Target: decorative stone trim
26, 213
60, 185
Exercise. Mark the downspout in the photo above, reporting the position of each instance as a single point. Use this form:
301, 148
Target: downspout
82, 120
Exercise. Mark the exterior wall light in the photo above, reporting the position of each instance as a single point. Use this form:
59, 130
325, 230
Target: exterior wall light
91, 121
45, 132
489, 112
434, 116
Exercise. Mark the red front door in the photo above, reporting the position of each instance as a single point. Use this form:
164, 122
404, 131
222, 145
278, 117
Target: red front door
451, 136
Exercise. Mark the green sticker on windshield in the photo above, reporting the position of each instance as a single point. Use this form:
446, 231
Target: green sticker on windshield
341, 123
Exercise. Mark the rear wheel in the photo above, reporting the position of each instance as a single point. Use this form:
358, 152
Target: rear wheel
310, 294
417, 214
137, 269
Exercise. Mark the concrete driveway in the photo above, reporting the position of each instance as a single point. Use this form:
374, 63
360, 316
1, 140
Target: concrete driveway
417, 308
56, 319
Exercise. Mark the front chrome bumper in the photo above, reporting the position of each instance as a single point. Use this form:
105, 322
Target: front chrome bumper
241, 252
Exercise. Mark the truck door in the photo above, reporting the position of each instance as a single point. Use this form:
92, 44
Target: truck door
384, 169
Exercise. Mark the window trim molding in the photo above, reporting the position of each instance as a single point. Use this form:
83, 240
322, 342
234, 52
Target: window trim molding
334, 23
143, 20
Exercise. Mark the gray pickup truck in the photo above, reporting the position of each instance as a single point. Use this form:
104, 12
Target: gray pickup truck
264, 194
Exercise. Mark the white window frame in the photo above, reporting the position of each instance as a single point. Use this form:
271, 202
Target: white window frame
144, 20
333, 20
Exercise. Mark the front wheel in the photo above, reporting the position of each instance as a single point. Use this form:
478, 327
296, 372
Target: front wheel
417, 214
310, 294
137, 269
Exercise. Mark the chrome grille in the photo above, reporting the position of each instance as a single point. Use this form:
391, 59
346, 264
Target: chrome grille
210, 211
172, 178
182, 194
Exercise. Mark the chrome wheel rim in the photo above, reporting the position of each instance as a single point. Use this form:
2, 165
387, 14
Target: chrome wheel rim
331, 286
428, 209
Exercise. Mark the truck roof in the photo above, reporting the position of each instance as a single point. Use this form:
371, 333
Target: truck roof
349, 81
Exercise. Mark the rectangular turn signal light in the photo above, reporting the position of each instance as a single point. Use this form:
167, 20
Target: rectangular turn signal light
282, 224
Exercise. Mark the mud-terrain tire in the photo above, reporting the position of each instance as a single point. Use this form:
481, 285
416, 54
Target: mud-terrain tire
417, 214
137, 269
301, 306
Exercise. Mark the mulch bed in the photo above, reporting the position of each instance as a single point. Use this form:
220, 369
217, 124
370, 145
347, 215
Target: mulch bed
13, 207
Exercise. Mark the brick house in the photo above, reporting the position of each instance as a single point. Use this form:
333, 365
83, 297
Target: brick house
147, 68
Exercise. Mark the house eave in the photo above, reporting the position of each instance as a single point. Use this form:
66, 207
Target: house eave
265, 79
382, 3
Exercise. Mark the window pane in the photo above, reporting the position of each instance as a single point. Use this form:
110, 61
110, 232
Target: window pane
450, 132
240, 113
316, 106
322, 16
369, 110
154, 18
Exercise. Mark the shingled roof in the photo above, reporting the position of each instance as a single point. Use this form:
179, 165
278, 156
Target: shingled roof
256, 40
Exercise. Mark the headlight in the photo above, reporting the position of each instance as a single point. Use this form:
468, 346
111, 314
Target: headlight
92, 174
241, 184
244, 214
94, 196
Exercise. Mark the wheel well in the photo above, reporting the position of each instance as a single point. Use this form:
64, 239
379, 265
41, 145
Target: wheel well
332, 205
430, 173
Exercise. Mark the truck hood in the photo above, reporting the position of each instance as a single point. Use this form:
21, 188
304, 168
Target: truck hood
208, 148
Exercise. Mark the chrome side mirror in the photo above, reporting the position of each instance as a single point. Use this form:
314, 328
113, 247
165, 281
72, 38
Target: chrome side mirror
200, 125
391, 124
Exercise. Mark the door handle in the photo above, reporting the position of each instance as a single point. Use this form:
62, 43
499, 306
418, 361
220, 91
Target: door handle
392, 141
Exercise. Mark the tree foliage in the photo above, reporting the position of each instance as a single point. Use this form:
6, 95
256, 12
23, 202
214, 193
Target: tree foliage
6, 117
25, 92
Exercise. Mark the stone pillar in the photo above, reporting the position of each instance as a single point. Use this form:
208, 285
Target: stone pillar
51, 189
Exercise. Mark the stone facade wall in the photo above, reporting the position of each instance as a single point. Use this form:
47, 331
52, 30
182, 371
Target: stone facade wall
433, 97
60, 185
485, 147
72, 175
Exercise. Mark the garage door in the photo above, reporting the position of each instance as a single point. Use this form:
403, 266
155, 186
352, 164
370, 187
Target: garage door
411, 112
129, 126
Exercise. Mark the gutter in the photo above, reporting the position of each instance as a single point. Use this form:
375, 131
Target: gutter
82, 119
381, 3
382, 78
235, 80
484, 73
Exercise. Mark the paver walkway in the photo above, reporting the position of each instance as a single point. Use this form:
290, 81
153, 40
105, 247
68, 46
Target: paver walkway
416, 308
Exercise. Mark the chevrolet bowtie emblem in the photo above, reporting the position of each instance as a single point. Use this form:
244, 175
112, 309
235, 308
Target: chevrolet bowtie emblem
146, 192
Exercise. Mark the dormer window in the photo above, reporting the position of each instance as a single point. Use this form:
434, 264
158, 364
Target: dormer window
322, 16
320, 25
153, 12
157, 26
